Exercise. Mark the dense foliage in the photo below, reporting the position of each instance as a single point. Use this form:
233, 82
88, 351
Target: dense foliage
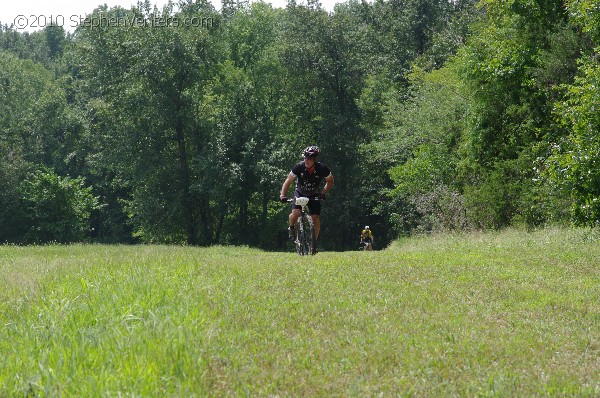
433, 115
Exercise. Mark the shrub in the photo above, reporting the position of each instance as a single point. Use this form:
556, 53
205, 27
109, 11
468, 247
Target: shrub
57, 209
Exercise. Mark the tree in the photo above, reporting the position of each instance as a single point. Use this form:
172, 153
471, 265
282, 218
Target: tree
421, 148
324, 85
504, 66
244, 111
572, 166
34, 124
147, 107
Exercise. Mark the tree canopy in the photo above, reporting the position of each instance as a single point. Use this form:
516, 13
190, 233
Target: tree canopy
433, 115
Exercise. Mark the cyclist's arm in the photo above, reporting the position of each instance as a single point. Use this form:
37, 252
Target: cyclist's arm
286, 185
328, 183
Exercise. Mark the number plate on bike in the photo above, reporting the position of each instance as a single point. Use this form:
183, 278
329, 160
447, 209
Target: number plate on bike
302, 201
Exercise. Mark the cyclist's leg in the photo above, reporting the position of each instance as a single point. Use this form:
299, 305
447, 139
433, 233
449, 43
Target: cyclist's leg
317, 223
293, 224
314, 209
293, 217
295, 213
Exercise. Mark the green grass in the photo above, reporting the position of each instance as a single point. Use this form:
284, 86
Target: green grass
502, 314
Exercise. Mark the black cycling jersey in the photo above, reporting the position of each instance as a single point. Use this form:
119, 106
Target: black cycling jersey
307, 183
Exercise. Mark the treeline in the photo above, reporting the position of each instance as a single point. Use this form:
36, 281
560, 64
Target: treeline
433, 115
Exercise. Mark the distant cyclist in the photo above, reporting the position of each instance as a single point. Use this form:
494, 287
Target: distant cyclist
366, 238
310, 173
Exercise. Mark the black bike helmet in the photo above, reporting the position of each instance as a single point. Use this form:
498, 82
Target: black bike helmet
311, 152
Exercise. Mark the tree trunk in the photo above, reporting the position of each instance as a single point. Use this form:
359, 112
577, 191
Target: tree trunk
184, 173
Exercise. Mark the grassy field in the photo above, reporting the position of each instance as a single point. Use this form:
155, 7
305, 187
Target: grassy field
505, 314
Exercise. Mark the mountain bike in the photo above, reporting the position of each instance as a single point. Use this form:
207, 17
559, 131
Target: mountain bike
366, 246
304, 229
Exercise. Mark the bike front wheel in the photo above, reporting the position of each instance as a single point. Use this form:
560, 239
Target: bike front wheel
298, 241
310, 238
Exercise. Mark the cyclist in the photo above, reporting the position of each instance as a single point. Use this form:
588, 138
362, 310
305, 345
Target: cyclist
366, 237
310, 173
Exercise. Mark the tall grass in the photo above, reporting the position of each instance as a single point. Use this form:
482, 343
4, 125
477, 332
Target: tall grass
503, 314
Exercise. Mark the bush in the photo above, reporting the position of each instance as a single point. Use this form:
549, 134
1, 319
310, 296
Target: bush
424, 183
493, 202
57, 209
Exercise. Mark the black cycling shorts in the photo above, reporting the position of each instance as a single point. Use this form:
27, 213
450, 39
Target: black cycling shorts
314, 206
